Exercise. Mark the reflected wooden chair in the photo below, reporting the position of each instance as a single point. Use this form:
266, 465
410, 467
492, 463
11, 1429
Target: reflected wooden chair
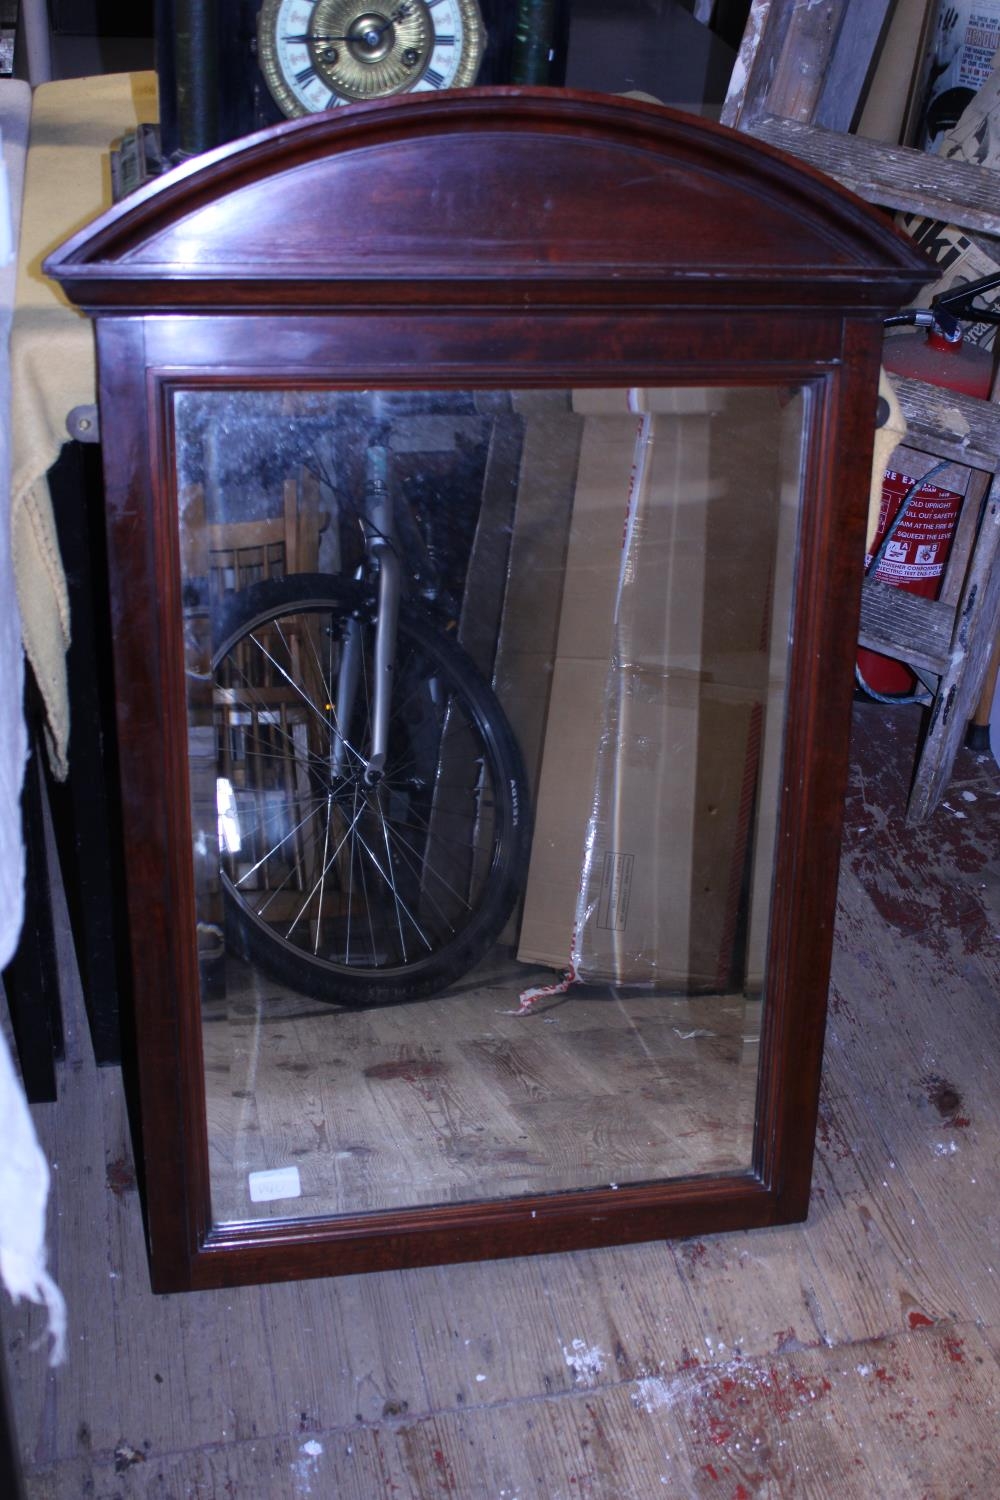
232, 555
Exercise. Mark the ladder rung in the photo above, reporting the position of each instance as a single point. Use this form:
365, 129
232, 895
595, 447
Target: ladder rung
905, 626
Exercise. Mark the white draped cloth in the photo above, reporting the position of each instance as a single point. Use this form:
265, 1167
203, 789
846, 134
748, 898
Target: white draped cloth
24, 1172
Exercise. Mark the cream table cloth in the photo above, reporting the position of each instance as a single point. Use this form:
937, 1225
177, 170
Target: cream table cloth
67, 184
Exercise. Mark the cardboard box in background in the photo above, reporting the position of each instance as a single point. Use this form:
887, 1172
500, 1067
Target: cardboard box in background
661, 898
529, 624
649, 788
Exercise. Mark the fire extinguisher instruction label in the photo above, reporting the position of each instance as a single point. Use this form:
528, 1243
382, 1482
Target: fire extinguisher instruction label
919, 548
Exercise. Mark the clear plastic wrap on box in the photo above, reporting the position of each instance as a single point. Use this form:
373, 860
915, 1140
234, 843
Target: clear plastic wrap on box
665, 718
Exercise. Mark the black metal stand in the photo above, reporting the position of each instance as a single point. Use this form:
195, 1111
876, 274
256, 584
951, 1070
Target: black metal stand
85, 810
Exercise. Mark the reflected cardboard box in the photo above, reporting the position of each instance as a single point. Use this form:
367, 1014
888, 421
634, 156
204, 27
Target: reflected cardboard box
529, 623
533, 596
654, 829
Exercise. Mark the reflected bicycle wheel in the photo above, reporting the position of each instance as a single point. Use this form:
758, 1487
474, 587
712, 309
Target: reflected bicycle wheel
353, 892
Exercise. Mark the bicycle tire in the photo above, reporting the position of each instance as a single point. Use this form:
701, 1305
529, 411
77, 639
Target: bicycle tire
381, 922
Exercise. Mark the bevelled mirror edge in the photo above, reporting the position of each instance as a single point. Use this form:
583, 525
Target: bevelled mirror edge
328, 1252
334, 1246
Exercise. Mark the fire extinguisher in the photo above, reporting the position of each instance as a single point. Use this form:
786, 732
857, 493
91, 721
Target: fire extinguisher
918, 518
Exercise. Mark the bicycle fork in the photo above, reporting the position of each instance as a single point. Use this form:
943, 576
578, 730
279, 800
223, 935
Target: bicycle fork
379, 526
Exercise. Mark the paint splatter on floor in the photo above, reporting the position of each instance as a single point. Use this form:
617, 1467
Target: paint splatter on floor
586, 1364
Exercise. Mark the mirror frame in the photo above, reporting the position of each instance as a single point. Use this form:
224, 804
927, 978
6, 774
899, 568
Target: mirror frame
576, 240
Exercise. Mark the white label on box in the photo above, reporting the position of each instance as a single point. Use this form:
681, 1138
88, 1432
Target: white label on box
281, 1182
616, 891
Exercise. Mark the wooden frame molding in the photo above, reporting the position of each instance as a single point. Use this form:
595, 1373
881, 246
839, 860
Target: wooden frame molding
529, 238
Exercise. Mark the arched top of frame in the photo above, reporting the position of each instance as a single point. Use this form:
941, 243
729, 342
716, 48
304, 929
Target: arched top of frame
517, 196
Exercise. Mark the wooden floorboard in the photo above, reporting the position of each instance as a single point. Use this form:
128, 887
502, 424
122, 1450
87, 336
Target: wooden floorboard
464, 1096
856, 1355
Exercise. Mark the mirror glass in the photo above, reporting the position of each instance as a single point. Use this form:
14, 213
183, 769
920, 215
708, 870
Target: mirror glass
486, 696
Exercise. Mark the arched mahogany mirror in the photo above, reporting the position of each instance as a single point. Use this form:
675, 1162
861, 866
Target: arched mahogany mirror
486, 485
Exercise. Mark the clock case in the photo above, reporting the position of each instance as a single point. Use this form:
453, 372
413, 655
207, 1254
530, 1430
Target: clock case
211, 89
582, 240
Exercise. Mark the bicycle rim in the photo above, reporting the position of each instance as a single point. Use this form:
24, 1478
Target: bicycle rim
352, 891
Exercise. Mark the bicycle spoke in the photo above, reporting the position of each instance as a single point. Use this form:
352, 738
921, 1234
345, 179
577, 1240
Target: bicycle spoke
400, 903
395, 893
258, 705
350, 890
326, 845
278, 889
425, 831
264, 858
282, 756
347, 877
445, 746
301, 691
298, 914
368, 909
275, 812
435, 838
416, 865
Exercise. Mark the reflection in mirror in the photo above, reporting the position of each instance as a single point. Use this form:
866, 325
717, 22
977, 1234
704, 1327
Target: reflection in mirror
486, 695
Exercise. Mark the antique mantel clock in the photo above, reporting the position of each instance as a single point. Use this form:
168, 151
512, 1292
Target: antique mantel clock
485, 561
317, 54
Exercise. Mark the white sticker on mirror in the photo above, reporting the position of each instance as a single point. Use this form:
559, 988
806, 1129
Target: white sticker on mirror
281, 1182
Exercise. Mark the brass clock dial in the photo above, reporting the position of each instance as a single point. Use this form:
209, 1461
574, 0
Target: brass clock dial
316, 54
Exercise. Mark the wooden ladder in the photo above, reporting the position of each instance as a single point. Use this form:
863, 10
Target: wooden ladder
950, 637
801, 73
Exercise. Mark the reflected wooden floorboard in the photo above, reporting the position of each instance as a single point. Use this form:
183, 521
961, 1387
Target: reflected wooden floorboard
459, 1097
856, 1355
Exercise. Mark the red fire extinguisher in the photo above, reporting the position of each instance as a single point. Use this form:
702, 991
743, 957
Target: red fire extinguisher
918, 519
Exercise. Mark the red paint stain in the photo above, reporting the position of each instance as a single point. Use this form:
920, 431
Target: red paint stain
943, 1095
120, 1177
695, 1254
741, 1492
883, 1377
842, 1007
711, 1471
409, 1069
389, 1484
793, 1392
920, 1320
947, 1100
719, 1430
447, 1476
945, 910
955, 1349
833, 1140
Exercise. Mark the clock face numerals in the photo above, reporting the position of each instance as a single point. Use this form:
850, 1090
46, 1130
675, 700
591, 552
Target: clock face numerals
316, 54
